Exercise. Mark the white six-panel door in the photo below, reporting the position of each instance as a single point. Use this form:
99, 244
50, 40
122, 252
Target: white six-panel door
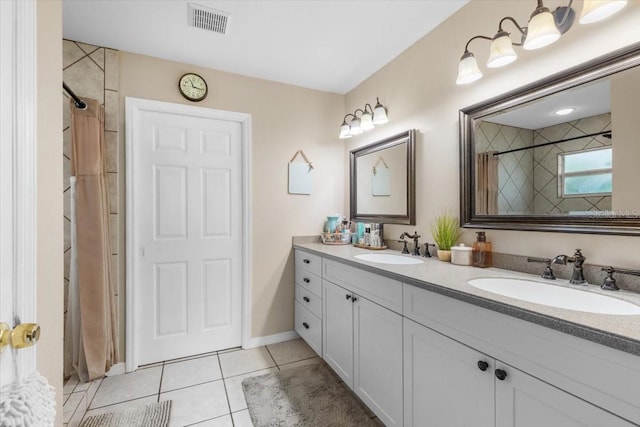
188, 232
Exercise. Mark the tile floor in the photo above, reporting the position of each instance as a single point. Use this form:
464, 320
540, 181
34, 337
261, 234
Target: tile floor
206, 390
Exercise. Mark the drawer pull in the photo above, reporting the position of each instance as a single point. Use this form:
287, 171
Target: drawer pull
354, 298
306, 299
482, 365
306, 325
306, 261
501, 374
348, 296
305, 280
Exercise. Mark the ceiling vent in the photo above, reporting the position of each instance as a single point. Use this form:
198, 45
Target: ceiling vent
208, 19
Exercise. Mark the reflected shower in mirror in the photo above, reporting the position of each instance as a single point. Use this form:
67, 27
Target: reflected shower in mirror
382, 181
559, 155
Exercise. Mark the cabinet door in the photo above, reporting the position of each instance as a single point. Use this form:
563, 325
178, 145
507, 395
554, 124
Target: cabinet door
525, 401
377, 342
337, 330
443, 384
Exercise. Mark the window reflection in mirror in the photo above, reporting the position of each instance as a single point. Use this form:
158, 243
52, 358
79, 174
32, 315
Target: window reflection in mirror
536, 159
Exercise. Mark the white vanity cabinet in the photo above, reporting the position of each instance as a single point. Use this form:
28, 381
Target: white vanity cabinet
308, 299
464, 365
449, 384
363, 340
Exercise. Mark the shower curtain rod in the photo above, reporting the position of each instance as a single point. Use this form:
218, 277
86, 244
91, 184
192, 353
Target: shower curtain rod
78, 102
606, 134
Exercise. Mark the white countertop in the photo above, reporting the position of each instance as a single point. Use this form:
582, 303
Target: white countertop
618, 331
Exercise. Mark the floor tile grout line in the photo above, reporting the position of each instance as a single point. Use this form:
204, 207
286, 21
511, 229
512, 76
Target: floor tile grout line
190, 385
249, 372
210, 419
272, 358
122, 401
226, 392
160, 385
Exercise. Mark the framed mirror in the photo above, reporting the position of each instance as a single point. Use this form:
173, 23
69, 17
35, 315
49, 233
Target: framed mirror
562, 154
382, 184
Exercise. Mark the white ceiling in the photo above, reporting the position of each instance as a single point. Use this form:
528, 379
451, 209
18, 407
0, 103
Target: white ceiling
326, 45
588, 100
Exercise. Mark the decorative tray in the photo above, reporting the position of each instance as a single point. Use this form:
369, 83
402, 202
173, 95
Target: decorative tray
336, 238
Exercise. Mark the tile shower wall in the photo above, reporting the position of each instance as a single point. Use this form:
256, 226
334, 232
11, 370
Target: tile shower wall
515, 170
92, 72
545, 169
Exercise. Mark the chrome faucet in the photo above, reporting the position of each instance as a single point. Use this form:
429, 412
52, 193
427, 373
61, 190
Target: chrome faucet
609, 283
547, 273
577, 275
416, 245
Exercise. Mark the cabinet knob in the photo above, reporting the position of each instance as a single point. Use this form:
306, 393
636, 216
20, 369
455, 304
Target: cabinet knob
501, 374
354, 298
306, 325
306, 280
306, 299
348, 296
306, 261
482, 365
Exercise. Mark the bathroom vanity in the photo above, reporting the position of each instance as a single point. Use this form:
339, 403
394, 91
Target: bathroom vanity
422, 347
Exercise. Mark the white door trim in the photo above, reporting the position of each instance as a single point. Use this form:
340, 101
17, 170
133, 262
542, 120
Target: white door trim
18, 120
133, 108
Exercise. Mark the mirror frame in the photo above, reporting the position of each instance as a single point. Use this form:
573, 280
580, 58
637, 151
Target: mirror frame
607, 65
409, 218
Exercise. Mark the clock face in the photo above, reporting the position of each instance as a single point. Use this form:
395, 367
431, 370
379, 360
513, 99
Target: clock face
193, 87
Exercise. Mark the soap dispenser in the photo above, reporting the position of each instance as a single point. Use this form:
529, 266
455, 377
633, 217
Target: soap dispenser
482, 251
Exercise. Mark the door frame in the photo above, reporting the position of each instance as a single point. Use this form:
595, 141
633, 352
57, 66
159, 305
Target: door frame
18, 124
133, 108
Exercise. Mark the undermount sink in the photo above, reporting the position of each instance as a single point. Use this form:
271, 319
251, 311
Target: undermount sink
555, 296
389, 259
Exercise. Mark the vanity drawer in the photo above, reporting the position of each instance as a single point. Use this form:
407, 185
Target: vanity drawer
309, 327
309, 281
308, 262
381, 290
308, 300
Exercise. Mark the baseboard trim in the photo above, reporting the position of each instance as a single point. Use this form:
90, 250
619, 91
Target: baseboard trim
271, 339
117, 369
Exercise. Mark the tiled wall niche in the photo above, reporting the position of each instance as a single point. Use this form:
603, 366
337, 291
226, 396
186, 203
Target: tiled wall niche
92, 72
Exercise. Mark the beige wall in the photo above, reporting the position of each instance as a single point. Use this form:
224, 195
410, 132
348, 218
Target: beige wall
49, 200
420, 91
284, 119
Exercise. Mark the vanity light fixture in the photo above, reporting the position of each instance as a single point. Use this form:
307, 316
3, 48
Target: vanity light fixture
368, 119
544, 28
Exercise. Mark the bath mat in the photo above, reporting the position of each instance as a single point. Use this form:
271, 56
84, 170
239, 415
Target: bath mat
153, 415
305, 396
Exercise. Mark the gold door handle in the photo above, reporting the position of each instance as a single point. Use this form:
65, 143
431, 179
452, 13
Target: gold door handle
5, 332
25, 335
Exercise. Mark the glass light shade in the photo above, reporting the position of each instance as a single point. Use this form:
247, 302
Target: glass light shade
501, 52
468, 70
344, 131
366, 121
597, 10
542, 30
380, 115
356, 129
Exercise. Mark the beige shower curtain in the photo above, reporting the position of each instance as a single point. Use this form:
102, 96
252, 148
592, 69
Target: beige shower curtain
98, 347
486, 183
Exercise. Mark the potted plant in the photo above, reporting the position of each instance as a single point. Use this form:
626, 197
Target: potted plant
445, 231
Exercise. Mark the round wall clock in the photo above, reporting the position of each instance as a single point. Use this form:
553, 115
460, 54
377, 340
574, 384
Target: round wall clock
193, 87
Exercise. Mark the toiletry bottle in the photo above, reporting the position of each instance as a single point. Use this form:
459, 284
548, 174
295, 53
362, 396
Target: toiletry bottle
367, 233
482, 251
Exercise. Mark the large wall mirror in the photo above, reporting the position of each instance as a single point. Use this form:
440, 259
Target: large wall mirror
562, 154
383, 181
